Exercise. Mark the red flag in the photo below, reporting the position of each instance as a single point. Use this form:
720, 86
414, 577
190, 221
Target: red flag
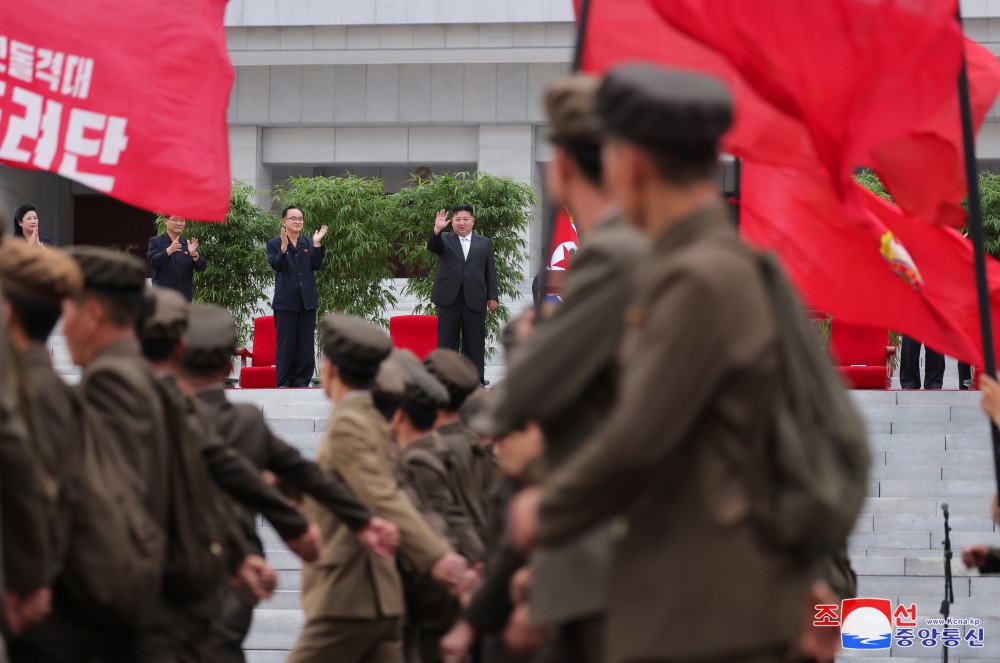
887, 269
565, 241
125, 97
857, 73
626, 31
867, 95
925, 170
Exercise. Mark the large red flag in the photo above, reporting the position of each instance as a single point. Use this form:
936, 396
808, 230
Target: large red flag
128, 98
887, 269
623, 31
867, 94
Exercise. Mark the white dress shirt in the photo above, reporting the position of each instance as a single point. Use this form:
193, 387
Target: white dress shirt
466, 245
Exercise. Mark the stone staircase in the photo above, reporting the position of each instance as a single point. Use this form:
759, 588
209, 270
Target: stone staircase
928, 448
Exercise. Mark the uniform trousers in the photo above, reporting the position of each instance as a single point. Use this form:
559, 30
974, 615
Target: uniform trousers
464, 330
224, 644
909, 366
175, 632
350, 641
295, 359
70, 635
580, 641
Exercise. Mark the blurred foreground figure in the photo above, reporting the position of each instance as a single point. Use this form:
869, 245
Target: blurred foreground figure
564, 376
696, 403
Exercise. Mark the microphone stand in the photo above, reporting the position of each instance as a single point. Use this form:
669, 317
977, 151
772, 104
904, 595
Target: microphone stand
949, 590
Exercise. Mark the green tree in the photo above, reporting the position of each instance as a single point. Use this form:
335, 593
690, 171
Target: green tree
358, 243
236, 274
503, 212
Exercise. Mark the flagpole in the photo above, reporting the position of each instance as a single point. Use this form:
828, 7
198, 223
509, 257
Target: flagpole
975, 222
738, 187
549, 222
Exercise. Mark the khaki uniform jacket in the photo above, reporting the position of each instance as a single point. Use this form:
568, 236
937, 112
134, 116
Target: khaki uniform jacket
563, 378
700, 371
425, 463
27, 493
348, 581
242, 427
60, 429
478, 464
120, 387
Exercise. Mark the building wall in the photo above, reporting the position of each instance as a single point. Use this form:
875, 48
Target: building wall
387, 86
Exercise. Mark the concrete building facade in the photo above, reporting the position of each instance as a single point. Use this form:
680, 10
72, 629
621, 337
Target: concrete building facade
390, 87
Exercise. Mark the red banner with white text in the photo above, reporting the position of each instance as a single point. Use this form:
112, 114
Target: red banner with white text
128, 98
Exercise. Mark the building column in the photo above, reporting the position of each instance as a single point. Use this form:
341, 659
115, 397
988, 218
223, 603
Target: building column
246, 159
507, 150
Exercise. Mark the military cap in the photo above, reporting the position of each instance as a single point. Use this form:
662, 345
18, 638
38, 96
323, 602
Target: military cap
165, 315
455, 371
354, 344
474, 404
405, 356
108, 270
391, 379
210, 339
423, 389
569, 104
664, 109
484, 422
45, 275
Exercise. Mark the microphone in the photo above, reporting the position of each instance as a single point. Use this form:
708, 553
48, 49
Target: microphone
944, 508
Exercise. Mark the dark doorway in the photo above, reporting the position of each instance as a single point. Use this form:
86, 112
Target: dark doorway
103, 221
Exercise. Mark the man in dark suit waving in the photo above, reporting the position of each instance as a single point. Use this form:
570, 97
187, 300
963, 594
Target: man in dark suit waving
465, 286
174, 258
294, 258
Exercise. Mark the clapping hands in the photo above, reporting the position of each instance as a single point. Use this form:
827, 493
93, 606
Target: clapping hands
319, 235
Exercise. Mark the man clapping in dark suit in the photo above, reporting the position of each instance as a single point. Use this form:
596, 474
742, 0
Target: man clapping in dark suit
174, 258
465, 285
294, 258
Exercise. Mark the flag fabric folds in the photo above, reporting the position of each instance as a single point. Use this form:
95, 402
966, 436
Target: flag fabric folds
889, 270
124, 97
565, 241
860, 75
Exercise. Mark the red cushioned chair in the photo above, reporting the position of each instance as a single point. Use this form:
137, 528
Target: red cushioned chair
862, 354
262, 374
414, 332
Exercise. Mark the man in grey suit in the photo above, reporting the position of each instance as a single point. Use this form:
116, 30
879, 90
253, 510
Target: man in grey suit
465, 286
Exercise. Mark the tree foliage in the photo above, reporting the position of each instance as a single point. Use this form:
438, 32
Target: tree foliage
236, 276
503, 212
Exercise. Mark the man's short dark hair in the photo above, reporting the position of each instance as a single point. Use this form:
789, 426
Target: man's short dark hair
587, 158
354, 379
386, 403
421, 417
124, 309
37, 318
158, 349
686, 166
284, 212
463, 208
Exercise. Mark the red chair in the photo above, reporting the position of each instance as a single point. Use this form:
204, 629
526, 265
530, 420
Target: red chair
862, 354
414, 332
262, 374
